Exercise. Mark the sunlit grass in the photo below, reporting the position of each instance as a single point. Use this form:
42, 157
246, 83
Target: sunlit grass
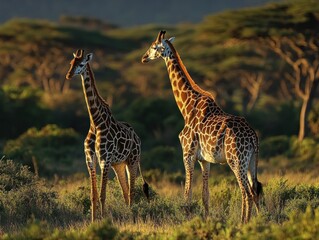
166, 216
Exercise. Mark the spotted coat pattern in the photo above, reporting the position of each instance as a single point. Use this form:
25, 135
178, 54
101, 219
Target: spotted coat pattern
209, 135
110, 142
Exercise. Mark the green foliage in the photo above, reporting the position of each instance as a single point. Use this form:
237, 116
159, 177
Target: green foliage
225, 203
273, 146
157, 175
78, 200
156, 121
34, 230
105, 230
198, 229
41, 230
45, 32
307, 150
284, 208
21, 109
299, 226
23, 195
273, 119
298, 156
277, 193
313, 120
48, 151
164, 158
275, 19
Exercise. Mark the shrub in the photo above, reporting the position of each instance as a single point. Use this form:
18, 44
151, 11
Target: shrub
36, 229
313, 120
300, 225
199, 229
305, 150
22, 195
273, 146
164, 158
20, 109
225, 197
158, 175
50, 150
277, 193
78, 200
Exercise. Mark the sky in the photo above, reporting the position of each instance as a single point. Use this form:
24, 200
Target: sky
122, 12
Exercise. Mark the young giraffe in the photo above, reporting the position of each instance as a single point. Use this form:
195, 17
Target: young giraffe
210, 135
114, 144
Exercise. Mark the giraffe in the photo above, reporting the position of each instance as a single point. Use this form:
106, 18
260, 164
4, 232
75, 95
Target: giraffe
209, 135
110, 142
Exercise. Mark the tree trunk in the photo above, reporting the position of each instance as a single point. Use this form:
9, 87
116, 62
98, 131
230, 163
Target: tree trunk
305, 108
302, 120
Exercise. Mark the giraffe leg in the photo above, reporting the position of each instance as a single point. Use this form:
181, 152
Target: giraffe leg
119, 170
189, 170
205, 166
249, 203
105, 166
246, 191
89, 150
242, 179
131, 173
94, 194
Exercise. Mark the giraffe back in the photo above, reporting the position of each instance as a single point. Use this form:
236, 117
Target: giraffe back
218, 136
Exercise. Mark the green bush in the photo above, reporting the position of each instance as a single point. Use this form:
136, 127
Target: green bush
157, 175
21, 109
300, 225
305, 150
165, 158
78, 200
313, 120
273, 146
22, 195
198, 229
277, 193
48, 151
36, 230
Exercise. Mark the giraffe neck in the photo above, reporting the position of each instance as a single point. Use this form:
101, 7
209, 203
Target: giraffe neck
185, 90
98, 109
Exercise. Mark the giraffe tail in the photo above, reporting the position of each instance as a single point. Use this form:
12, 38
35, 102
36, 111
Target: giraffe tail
146, 189
259, 189
256, 185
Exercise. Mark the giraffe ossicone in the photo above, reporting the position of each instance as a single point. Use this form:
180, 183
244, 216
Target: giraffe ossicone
111, 143
209, 135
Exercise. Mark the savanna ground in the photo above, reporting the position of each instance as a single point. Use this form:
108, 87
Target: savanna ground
34, 208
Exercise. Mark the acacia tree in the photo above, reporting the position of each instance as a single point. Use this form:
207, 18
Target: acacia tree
301, 54
291, 31
232, 63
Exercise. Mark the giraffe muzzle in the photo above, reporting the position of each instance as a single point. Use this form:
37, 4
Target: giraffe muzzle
145, 59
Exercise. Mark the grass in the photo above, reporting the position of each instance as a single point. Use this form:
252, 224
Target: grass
63, 208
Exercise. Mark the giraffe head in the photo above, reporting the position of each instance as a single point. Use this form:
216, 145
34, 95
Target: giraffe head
158, 48
78, 63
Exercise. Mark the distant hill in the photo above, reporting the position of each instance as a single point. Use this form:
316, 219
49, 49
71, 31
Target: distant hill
121, 12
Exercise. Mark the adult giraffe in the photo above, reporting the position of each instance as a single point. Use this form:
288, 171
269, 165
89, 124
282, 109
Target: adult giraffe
210, 135
114, 144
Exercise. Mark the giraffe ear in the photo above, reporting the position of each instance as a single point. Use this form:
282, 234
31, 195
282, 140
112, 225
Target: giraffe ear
74, 55
89, 57
171, 39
